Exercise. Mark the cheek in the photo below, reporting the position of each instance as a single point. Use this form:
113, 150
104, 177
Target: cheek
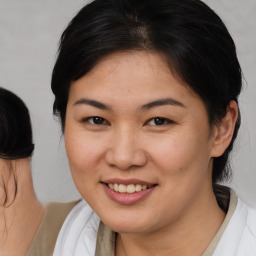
82, 163
82, 154
181, 153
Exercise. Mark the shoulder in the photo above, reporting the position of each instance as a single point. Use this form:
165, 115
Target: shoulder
247, 217
79, 232
54, 217
239, 237
248, 237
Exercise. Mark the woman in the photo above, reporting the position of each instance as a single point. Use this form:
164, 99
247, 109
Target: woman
21, 213
147, 93
27, 227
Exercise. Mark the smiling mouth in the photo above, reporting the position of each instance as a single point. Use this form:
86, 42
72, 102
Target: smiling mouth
128, 189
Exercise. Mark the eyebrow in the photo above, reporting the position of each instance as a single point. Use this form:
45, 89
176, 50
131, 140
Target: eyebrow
156, 103
162, 102
93, 103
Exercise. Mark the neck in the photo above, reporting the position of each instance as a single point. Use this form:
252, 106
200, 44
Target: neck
189, 235
20, 211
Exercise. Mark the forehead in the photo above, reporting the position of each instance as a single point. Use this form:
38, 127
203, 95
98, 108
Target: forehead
131, 74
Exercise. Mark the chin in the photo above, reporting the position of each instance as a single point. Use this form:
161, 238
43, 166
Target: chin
130, 225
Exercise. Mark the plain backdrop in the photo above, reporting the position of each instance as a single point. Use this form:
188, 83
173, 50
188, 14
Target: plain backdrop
29, 35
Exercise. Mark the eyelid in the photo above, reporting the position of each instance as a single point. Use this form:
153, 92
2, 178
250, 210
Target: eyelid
87, 120
167, 121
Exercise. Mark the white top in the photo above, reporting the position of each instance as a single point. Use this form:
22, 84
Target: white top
78, 234
239, 237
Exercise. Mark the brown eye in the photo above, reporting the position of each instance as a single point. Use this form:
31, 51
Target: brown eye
158, 121
95, 120
98, 120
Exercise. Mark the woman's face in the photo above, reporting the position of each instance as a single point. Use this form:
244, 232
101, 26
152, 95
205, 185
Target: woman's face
138, 143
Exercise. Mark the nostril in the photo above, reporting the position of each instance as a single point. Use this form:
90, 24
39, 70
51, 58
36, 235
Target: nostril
125, 159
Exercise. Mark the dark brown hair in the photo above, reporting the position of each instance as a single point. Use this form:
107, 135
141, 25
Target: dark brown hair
192, 37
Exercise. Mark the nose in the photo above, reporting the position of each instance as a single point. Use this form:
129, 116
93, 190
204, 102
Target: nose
125, 151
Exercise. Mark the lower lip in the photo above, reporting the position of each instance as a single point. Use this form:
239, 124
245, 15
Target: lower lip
126, 198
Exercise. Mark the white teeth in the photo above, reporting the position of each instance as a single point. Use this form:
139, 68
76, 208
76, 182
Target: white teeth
131, 188
116, 187
138, 187
122, 188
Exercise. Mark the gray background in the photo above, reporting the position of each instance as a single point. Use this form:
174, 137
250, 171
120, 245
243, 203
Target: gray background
29, 34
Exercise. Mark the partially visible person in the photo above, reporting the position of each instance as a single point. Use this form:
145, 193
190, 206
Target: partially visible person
20, 211
25, 223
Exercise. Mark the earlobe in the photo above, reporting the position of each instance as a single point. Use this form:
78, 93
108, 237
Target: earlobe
223, 132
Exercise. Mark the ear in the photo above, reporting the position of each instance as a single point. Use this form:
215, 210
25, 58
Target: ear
223, 131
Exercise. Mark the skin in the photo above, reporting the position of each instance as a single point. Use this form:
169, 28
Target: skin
180, 216
22, 215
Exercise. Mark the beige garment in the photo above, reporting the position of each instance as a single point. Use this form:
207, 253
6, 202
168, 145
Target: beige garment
232, 206
106, 239
44, 241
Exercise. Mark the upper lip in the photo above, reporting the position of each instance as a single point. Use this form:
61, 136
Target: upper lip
127, 181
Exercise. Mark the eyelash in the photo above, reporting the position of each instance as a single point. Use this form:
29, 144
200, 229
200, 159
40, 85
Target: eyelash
163, 121
97, 120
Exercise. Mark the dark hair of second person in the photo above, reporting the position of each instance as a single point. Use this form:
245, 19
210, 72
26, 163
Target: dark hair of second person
15, 126
15, 129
